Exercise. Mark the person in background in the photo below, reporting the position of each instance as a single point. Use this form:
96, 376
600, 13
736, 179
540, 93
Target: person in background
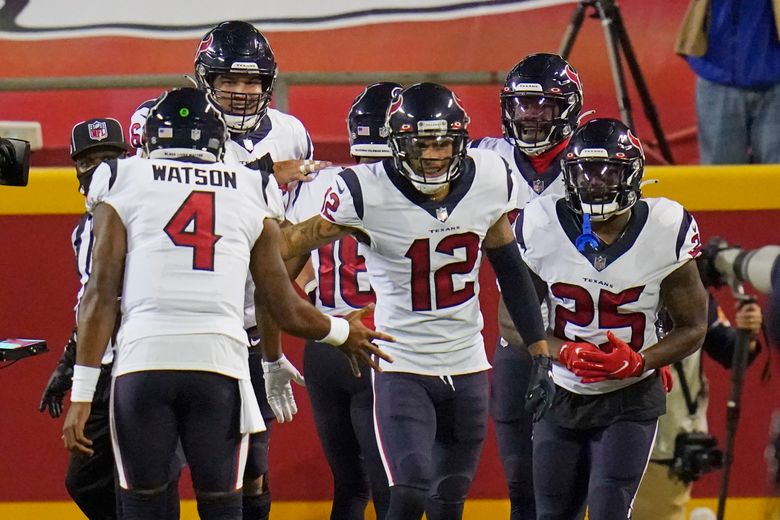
733, 48
666, 487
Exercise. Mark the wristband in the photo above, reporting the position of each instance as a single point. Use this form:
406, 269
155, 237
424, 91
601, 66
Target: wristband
310, 286
84, 383
339, 332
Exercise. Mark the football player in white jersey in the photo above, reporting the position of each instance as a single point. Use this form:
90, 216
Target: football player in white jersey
176, 233
608, 259
342, 404
426, 216
235, 65
540, 107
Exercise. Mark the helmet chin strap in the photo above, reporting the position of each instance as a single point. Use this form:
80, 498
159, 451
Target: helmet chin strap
428, 189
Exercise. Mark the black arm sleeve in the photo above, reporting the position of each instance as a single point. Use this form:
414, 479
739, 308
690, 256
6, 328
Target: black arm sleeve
518, 291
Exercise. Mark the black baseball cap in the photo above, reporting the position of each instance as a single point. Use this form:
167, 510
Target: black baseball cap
96, 133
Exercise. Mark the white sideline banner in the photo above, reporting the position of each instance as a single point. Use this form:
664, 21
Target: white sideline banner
185, 19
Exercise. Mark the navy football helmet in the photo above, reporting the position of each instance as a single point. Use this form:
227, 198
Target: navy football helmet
236, 48
540, 103
366, 120
182, 122
602, 167
427, 134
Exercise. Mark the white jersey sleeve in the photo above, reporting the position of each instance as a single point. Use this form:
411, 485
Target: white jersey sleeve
343, 202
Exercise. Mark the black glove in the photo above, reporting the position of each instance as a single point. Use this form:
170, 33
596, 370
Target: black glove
541, 388
264, 163
60, 380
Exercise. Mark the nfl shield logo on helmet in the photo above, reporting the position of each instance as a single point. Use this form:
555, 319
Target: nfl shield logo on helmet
600, 262
98, 130
442, 214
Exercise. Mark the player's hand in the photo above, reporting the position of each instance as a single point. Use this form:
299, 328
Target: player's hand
59, 383
73, 429
278, 390
749, 318
620, 363
359, 344
666, 378
297, 170
570, 351
541, 388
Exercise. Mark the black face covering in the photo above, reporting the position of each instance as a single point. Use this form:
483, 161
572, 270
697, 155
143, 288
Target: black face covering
85, 179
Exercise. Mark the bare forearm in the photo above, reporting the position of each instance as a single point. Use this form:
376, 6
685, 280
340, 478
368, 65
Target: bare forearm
680, 343
97, 316
300, 239
270, 334
302, 320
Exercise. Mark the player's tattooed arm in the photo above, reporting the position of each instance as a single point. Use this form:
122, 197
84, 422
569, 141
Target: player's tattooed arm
310, 234
686, 301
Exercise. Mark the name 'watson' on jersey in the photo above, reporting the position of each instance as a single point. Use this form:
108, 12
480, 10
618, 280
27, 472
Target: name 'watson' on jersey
190, 228
423, 257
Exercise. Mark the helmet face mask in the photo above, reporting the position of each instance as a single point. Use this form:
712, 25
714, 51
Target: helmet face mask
535, 122
235, 65
540, 103
427, 130
602, 168
429, 162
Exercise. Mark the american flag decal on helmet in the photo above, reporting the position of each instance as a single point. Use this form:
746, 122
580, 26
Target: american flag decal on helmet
636, 142
573, 76
204, 45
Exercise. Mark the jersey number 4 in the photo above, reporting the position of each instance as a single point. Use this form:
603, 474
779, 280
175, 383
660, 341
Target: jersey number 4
609, 315
446, 295
193, 226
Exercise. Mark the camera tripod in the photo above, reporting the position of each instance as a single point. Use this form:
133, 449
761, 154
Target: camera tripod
617, 40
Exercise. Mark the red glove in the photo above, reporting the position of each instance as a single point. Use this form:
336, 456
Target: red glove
666, 378
570, 352
621, 363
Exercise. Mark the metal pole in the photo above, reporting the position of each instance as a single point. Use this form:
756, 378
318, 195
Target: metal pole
606, 13
739, 364
573, 29
639, 80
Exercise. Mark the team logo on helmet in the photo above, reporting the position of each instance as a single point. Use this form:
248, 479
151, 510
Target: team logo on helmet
636, 142
396, 104
98, 130
204, 45
573, 76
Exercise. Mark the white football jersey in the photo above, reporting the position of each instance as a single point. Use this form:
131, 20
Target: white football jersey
530, 184
423, 258
340, 267
616, 288
190, 228
280, 135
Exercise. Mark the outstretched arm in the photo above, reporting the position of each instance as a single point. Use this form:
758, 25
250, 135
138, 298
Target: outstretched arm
308, 235
295, 315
